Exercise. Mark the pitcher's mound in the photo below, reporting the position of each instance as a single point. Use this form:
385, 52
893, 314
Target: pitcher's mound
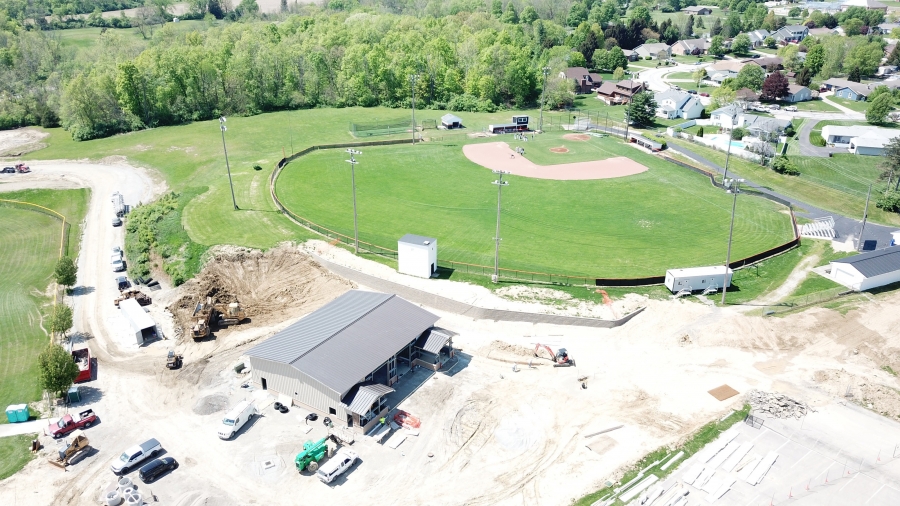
577, 137
559, 150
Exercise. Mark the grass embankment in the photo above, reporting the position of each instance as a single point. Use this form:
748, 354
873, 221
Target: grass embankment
29, 249
15, 452
622, 227
701, 438
155, 229
836, 184
815, 283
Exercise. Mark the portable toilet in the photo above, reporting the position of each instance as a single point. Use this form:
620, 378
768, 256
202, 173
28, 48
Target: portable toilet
22, 413
73, 395
11, 415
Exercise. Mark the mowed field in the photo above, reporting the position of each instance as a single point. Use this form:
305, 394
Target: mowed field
29, 248
624, 227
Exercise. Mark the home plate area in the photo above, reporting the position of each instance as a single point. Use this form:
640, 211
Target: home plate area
499, 156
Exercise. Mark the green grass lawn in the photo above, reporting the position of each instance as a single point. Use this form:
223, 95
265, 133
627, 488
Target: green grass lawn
837, 184
85, 38
15, 452
810, 105
680, 75
624, 227
856, 105
29, 247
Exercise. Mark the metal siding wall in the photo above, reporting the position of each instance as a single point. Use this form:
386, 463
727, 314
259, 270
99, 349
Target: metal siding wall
285, 379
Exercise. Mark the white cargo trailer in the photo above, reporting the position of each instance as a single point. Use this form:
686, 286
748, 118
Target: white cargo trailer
697, 279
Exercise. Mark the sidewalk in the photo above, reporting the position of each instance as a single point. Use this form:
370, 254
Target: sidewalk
15, 429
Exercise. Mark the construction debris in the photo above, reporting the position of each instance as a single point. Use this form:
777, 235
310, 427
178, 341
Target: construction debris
777, 405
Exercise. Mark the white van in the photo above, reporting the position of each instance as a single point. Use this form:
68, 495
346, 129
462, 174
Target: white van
336, 465
236, 418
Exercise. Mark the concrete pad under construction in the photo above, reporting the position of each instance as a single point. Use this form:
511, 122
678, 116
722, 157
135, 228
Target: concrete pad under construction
841, 454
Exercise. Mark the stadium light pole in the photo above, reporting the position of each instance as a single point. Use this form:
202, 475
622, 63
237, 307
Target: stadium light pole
546, 71
734, 187
352, 161
500, 184
222, 121
412, 80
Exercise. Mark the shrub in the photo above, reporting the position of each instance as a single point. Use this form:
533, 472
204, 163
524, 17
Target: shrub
738, 133
783, 165
700, 131
888, 200
816, 140
648, 58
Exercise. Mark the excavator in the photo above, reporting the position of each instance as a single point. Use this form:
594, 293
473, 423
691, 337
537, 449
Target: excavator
230, 314
560, 359
74, 447
206, 312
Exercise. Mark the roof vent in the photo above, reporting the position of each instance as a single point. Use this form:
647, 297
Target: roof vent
426, 243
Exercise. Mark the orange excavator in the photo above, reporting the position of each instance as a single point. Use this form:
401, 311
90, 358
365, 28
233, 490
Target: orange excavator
560, 359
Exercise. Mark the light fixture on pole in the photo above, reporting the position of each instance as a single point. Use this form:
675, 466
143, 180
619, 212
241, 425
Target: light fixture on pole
352, 161
222, 127
733, 187
412, 84
500, 184
545, 70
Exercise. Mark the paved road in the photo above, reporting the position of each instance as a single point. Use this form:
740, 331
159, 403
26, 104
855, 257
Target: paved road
806, 148
844, 227
15, 429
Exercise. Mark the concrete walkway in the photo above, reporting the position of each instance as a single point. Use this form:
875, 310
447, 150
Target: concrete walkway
15, 429
845, 110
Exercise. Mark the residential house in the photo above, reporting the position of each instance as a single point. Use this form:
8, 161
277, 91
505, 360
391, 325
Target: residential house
620, 92
888, 49
859, 139
673, 104
585, 82
860, 91
836, 82
758, 37
652, 50
885, 28
767, 62
746, 95
727, 117
886, 70
697, 10
824, 7
821, 32
730, 66
733, 116
870, 5
687, 47
797, 93
791, 33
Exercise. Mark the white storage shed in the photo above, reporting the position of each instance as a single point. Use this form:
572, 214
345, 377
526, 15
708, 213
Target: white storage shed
417, 255
867, 270
698, 278
141, 324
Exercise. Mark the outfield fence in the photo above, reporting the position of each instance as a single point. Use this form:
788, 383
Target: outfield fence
386, 127
510, 274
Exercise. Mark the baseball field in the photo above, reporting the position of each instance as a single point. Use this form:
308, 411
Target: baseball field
637, 223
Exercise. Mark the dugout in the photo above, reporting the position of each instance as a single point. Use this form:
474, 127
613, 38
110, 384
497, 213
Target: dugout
417, 255
698, 278
518, 124
450, 121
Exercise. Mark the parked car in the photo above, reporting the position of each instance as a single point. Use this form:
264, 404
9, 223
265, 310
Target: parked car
68, 423
118, 264
791, 108
774, 107
337, 465
236, 418
123, 283
692, 92
704, 94
135, 455
8, 170
156, 468
676, 87
116, 221
116, 250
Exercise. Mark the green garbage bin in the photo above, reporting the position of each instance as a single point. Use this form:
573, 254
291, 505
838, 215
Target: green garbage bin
73, 395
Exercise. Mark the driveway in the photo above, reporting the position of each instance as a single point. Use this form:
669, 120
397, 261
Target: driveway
806, 148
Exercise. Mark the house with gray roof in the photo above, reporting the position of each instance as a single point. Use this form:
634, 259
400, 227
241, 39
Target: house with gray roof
652, 50
791, 33
867, 270
689, 47
758, 37
671, 104
344, 359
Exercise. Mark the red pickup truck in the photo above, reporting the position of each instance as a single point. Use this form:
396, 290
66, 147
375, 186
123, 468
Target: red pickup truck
68, 423
82, 358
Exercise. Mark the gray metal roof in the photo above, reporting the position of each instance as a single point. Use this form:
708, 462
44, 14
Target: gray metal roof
451, 118
366, 396
417, 239
434, 339
300, 338
875, 263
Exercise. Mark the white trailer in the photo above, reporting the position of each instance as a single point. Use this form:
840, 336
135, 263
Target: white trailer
118, 204
696, 279
417, 255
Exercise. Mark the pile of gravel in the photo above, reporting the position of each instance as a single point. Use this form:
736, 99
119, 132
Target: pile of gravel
210, 404
777, 405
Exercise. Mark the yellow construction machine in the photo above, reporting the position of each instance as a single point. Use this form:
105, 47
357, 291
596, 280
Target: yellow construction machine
72, 448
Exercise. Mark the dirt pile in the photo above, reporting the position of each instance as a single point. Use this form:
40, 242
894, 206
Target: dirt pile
511, 349
777, 405
866, 392
271, 286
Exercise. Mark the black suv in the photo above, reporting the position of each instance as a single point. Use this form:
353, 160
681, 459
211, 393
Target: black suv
156, 468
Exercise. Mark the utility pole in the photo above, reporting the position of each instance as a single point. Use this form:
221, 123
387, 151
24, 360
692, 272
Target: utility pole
500, 184
412, 80
733, 186
859, 244
627, 111
545, 70
352, 161
222, 121
727, 158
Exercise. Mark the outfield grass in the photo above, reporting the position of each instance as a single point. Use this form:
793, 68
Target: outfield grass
835, 184
15, 452
624, 227
29, 247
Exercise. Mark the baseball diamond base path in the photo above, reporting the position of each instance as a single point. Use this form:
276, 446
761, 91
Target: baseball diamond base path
498, 156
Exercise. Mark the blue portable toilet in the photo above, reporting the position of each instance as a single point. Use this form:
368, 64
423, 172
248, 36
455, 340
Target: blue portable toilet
11, 414
22, 413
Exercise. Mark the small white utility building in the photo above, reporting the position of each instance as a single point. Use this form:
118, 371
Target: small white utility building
867, 270
417, 255
141, 324
698, 278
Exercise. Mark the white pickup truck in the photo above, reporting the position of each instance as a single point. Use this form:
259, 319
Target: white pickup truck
337, 465
131, 457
